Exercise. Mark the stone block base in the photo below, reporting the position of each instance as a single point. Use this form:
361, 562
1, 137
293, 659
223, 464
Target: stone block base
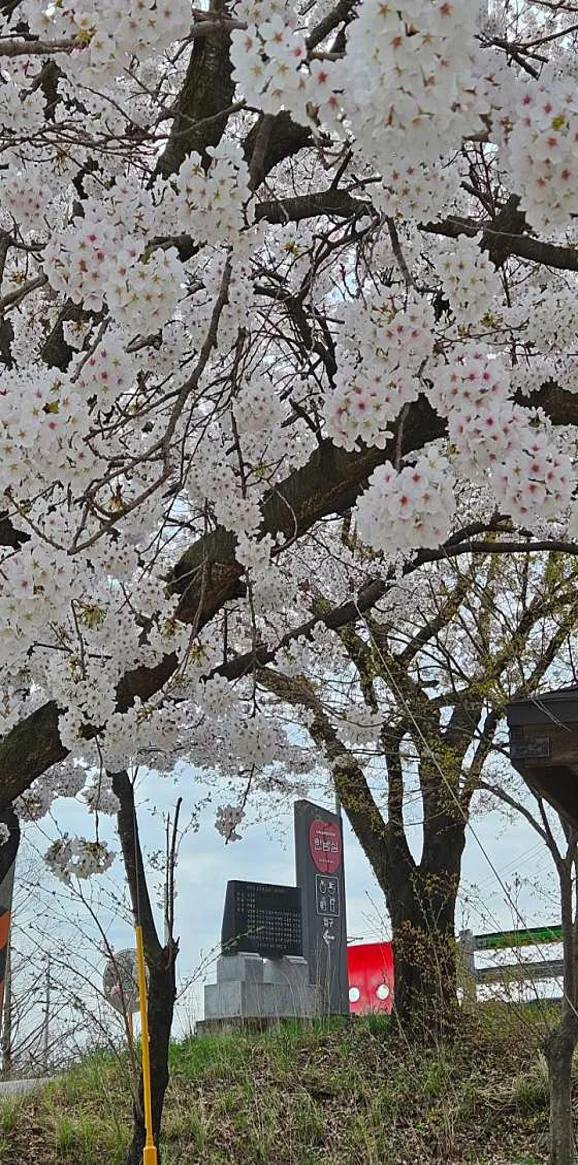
251, 988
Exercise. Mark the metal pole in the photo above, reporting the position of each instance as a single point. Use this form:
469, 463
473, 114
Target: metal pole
149, 1156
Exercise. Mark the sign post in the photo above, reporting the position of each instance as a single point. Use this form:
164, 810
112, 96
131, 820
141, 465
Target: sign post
320, 875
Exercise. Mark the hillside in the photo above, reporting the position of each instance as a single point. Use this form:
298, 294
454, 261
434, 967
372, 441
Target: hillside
340, 1095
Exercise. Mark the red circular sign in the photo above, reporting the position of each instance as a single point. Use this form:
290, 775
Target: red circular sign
325, 846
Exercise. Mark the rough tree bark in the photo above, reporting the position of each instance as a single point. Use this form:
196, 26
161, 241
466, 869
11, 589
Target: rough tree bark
200, 113
161, 1001
161, 961
422, 910
559, 1051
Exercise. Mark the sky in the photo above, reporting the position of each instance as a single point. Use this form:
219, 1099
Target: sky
508, 880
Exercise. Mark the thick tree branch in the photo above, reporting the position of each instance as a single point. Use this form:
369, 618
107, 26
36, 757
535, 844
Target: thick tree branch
286, 139
38, 48
342, 13
502, 237
206, 96
333, 203
507, 235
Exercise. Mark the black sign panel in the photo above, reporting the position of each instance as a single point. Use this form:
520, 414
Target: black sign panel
327, 896
262, 919
321, 878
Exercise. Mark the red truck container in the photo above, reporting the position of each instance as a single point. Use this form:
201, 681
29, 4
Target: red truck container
370, 967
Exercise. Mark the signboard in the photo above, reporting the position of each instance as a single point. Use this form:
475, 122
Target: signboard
325, 845
321, 879
6, 892
120, 982
262, 919
10, 844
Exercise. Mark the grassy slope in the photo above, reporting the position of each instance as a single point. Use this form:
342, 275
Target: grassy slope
343, 1095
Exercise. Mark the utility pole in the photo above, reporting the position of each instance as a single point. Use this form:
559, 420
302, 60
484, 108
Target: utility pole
47, 1019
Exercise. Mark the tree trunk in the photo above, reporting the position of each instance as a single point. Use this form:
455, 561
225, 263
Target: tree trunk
424, 947
161, 1002
559, 1050
422, 905
421, 899
161, 961
560, 1043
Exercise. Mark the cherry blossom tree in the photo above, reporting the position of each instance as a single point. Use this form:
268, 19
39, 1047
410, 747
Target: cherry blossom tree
264, 266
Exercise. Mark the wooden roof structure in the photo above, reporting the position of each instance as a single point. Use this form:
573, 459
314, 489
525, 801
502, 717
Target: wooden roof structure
544, 747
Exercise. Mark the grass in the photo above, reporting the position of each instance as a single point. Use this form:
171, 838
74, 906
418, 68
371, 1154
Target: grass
341, 1094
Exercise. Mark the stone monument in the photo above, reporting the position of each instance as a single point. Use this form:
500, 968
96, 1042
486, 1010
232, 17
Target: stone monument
262, 976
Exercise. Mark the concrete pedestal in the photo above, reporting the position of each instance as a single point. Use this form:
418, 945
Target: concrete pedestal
251, 988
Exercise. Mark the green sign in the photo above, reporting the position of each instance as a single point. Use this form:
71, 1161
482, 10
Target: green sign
518, 938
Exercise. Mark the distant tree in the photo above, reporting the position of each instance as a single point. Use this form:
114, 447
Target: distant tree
407, 715
561, 843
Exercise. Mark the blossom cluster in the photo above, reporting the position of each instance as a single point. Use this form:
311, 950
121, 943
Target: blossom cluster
387, 344
469, 278
228, 818
541, 134
415, 189
269, 62
409, 508
409, 80
109, 33
209, 204
76, 857
363, 402
46, 439
488, 431
94, 262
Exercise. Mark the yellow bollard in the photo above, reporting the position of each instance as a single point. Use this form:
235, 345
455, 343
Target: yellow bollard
149, 1156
